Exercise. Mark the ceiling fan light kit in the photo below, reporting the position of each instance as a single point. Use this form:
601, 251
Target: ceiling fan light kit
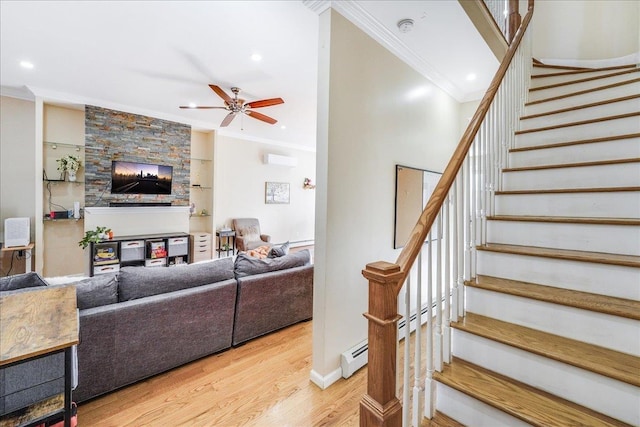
237, 106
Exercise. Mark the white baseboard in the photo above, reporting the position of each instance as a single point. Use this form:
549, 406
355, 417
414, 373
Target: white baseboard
325, 381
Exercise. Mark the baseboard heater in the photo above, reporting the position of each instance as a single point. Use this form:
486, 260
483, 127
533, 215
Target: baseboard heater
354, 359
357, 356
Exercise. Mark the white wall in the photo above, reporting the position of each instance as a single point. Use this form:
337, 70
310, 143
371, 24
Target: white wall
17, 151
374, 112
239, 187
594, 29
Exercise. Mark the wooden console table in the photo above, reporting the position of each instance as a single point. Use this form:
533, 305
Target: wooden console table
52, 328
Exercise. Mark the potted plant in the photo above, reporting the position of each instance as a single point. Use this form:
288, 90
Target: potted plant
94, 236
69, 164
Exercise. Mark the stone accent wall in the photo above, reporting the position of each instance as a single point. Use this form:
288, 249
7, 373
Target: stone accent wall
115, 135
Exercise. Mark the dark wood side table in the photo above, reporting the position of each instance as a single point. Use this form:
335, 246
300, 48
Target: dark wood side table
230, 237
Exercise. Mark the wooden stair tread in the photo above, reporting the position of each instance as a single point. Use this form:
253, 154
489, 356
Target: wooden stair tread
580, 107
573, 165
579, 123
566, 219
517, 399
566, 254
576, 70
569, 190
584, 80
567, 297
613, 364
440, 420
582, 92
578, 142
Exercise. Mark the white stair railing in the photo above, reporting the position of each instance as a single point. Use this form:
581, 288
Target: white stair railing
440, 255
460, 226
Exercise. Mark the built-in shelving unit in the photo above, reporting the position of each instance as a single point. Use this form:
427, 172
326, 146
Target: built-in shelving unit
201, 179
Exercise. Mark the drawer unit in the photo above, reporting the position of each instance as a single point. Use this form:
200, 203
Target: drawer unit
105, 269
132, 250
178, 246
156, 262
200, 246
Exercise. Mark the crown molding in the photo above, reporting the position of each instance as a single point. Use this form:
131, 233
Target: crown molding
355, 13
17, 92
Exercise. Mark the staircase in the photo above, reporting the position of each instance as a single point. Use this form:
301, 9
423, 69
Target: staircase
551, 332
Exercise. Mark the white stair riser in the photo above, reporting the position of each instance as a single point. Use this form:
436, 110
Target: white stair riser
472, 412
603, 279
607, 150
615, 239
614, 332
549, 80
602, 129
599, 176
615, 108
618, 204
587, 98
600, 393
577, 87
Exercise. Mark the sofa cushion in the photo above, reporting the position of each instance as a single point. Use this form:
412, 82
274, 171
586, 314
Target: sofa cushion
278, 251
20, 281
247, 266
96, 291
140, 282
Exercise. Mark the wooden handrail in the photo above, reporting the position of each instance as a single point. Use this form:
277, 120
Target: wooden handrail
419, 233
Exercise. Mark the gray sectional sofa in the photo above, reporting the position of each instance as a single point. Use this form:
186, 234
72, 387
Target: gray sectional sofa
143, 321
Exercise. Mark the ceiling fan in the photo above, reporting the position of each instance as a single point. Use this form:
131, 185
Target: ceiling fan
237, 106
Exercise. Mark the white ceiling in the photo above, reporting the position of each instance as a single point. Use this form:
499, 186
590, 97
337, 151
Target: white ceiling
149, 57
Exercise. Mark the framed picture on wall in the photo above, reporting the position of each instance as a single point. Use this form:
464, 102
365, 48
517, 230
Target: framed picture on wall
276, 193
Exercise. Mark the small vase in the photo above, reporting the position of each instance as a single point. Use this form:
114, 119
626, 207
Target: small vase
72, 175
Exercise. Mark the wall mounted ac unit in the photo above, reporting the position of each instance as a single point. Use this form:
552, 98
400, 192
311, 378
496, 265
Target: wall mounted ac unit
276, 159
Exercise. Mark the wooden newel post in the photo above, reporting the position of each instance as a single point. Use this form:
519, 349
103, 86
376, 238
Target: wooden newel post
380, 407
514, 20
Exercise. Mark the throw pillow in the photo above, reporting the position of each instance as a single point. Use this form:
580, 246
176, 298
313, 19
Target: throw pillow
96, 291
259, 252
278, 251
246, 265
20, 281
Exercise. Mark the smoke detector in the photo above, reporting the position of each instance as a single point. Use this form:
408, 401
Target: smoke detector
405, 25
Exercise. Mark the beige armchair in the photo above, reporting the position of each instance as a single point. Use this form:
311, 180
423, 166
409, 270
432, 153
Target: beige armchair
248, 234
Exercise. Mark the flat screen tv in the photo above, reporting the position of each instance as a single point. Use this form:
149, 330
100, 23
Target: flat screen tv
140, 178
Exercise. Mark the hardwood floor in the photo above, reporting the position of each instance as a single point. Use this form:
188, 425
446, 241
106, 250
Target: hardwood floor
262, 383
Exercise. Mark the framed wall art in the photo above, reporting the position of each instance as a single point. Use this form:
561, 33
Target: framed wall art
276, 193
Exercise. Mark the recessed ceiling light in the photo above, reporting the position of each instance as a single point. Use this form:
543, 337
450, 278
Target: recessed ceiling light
192, 105
471, 77
283, 127
256, 57
26, 64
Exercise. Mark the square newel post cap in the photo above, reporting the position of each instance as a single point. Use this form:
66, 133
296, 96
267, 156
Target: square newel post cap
382, 272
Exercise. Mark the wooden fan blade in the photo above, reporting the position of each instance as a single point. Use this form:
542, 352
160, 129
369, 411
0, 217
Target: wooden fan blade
262, 117
265, 103
202, 107
228, 119
222, 94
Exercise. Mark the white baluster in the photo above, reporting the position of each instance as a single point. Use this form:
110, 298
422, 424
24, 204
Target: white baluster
406, 389
454, 249
418, 385
429, 383
438, 338
446, 240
